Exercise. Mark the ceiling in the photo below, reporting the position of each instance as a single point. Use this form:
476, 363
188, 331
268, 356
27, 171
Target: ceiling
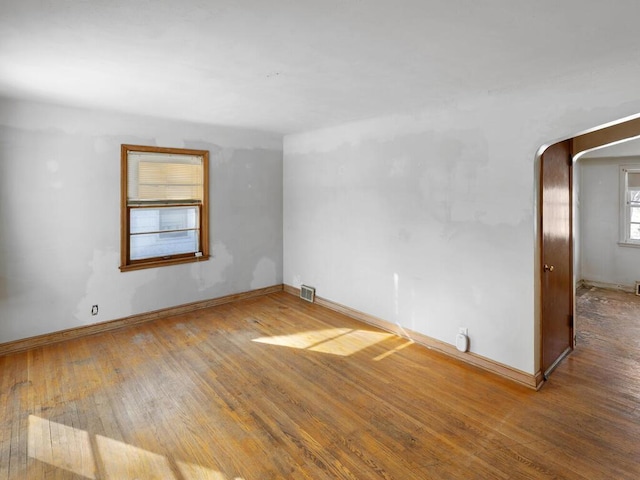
295, 65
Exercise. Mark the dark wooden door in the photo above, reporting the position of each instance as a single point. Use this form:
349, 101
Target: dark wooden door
556, 255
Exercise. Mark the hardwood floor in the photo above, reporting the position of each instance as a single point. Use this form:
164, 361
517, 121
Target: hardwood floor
273, 387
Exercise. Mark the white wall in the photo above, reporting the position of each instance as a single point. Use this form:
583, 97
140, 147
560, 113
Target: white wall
59, 217
428, 220
602, 259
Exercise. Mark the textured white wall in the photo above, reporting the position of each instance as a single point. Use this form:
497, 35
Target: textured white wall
60, 218
428, 220
602, 259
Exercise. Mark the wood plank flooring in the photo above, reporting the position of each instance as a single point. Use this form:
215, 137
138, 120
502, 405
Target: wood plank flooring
273, 387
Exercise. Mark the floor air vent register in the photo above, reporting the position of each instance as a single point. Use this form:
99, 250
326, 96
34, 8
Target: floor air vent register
307, 293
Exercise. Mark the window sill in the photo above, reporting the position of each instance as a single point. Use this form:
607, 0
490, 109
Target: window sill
629, 244
164, 263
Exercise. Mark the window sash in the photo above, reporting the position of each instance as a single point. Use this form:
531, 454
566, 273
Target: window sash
160, 219
155, 237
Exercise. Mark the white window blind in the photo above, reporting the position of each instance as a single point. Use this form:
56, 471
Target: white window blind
154, 178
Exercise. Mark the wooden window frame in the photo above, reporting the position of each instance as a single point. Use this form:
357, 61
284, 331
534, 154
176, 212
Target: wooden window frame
126, 264
625, 208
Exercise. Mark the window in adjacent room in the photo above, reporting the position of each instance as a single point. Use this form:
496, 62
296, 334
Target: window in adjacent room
630, 204
164, 205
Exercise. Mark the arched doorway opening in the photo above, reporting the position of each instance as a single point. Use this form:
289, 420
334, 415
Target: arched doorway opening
555, 243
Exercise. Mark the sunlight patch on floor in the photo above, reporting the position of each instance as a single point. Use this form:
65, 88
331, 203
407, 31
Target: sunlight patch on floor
61, 446
394, 350
193, 472
336, 341
121, 460
70, 449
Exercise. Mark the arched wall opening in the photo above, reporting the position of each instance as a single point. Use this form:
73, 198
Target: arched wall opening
599, 137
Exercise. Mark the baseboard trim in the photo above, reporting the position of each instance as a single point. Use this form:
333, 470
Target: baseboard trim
518, 376
77, 332
609, 286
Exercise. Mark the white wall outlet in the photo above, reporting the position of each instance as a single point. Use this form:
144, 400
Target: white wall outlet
94, 310
463, 330
462, 342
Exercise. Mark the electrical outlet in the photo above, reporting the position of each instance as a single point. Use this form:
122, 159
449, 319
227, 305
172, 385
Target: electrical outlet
94, 310
463, 330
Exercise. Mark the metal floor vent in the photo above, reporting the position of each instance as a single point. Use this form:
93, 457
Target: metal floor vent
307, 293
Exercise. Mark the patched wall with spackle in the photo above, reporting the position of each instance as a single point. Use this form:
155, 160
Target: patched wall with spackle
60, 217
428, 221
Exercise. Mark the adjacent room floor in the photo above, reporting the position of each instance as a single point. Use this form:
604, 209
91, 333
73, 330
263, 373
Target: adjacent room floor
274, 387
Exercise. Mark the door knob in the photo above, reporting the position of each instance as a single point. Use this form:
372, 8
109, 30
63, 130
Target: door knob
548, 268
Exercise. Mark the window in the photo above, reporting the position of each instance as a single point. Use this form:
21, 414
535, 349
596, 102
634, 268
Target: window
164, 206
630, 204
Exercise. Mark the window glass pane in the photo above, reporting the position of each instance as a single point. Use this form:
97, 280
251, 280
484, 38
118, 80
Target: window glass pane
163, 218
144, 220
633, 196
635, 214
633, 180
178, 218
161, 245
634, 231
